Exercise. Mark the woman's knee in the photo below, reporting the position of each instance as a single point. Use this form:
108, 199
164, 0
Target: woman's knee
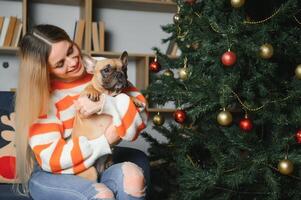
103, 192
133, 182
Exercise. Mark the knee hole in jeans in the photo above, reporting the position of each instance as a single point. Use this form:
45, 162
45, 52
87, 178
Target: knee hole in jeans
134, 183
103, 192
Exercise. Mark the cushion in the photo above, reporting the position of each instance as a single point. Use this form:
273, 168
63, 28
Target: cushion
7, 134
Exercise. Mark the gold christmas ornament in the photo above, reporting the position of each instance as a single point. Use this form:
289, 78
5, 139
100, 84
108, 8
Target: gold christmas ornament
266, 51
237, 3
158, 120
224, 118
285, 167
184, 73
298, 72
168, 73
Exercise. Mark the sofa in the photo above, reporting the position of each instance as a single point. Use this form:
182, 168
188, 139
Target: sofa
7, 147
7, 150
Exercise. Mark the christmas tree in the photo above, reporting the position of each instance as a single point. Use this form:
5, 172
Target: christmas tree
236, 131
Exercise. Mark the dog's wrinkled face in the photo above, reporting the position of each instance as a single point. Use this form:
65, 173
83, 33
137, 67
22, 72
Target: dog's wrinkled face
111, 74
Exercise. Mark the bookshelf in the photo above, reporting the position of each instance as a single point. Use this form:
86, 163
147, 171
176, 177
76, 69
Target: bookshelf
85, 10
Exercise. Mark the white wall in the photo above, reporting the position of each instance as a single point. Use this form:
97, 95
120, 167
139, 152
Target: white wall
134, 31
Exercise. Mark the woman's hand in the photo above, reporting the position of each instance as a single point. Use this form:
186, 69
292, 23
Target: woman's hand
112, 135
86, 107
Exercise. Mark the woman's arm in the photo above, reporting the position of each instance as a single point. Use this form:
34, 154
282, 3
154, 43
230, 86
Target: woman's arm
56, 154
128, 120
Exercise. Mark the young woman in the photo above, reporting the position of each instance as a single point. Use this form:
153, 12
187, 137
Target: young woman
51, 76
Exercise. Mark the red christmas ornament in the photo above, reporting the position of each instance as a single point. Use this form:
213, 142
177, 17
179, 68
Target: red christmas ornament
191, 2
155, 66
228, 58
246, 124
180, 116
298, 137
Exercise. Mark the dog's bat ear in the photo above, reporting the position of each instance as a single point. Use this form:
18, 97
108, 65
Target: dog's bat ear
124, 58
89, 63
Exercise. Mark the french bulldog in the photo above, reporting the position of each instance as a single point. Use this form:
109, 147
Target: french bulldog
109, 77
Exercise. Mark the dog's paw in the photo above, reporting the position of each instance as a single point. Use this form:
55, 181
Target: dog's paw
137, 102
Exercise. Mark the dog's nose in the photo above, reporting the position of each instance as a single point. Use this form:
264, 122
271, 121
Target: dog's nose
119, 75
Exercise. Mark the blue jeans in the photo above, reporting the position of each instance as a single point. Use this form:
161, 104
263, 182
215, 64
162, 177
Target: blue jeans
48, 186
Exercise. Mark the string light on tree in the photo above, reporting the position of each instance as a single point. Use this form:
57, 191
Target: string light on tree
246, 124
229, 58
298, 137
180, 116
155, 66
195, 45
176, 18
158, 119
266, 51
298, 72
237, 3
285, 167
224, 118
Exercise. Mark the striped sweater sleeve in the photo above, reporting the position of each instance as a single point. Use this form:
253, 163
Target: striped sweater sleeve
56, 154
128, 119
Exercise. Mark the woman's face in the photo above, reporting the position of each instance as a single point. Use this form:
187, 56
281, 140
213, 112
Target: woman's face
65, 61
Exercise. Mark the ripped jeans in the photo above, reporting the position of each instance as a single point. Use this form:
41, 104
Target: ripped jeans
116, 182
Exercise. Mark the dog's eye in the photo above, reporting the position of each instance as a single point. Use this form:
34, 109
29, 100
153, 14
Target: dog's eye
106, 70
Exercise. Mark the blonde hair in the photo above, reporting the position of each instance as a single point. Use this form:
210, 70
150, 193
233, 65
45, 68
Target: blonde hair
33, 94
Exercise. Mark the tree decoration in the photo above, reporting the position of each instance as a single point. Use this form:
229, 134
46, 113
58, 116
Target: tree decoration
195, 45
180, 116
155, 66
158, 119
184, 72
191, 2
266, 51
237, 3
298, 137
228, 58
224, 118
285, 166
168, 73
176, 18
246, 124
298, 72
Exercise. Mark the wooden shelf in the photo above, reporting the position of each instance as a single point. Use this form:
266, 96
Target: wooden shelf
143, 5
161, 110
59, 2
111, 54
8, 50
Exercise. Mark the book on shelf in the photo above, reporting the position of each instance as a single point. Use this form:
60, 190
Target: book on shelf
1, 23
79, 32
10, 31
17, 33
95, 37
4, 30
101, 29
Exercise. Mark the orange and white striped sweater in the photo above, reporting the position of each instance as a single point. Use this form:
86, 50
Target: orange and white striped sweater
49, 136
